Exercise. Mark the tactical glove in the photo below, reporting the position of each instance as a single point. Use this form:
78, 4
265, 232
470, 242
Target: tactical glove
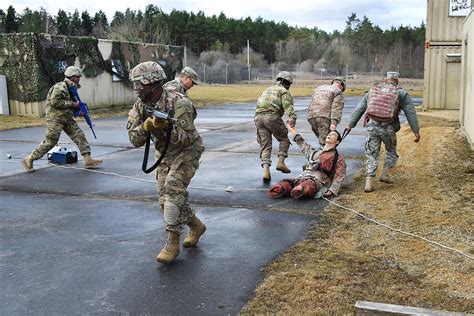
152, 123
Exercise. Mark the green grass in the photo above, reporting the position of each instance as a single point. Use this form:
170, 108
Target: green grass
202, 95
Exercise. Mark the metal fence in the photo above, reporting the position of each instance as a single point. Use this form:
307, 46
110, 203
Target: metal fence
230, 73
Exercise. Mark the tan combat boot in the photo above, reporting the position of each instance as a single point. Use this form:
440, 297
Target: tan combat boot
281, 165
28, 164
171, 249
90, 163
368, 184
266, 173
196, 229
385, 177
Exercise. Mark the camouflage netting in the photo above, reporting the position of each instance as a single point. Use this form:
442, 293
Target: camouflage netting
127, 55
19, 64
32, 62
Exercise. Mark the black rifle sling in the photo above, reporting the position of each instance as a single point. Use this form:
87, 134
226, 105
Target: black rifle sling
147, 149
331, 173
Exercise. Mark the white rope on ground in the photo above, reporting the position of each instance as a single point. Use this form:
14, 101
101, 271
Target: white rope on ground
227, 189
400, 231
105, 173
231, 189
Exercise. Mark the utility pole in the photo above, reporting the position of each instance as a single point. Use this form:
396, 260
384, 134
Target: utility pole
185, 59
226, 65
204, 70
248, 57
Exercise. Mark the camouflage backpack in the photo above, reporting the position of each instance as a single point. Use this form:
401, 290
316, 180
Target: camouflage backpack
383, 102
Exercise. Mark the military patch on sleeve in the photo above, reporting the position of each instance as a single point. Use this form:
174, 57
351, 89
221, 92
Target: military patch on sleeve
133, 113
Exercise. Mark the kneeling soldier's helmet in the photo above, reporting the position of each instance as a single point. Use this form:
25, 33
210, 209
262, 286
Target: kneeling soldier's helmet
285, 75
72, 71
147, 73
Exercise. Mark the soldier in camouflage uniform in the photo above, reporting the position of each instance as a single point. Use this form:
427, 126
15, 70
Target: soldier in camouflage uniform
382, 132
272, 104
187, 79
60, 106
325, 109
181, 159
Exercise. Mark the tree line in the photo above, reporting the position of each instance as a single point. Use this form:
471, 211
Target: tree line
362, 46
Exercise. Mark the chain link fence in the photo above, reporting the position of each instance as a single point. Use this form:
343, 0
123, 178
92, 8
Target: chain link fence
232, 73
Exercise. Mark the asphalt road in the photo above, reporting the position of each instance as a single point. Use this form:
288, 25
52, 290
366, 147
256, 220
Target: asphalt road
78, 241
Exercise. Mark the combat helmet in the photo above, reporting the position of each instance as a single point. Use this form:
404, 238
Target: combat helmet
342, 80
72, 71
285, 75
147, 73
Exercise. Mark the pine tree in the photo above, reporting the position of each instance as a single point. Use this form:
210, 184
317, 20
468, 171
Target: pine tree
63, 23
75, 28
2, 21
11, 21
86, 23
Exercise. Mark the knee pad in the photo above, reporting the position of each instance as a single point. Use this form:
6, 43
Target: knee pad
171, 213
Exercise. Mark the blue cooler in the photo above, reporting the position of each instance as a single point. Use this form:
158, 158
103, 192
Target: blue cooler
63, 156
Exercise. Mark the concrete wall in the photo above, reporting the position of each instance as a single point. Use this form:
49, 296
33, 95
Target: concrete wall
467, 81
4, 109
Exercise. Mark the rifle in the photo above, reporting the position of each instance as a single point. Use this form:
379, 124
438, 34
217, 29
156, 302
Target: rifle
161, 115
82, 109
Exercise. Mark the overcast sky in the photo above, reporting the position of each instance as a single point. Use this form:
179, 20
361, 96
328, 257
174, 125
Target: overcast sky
323, 14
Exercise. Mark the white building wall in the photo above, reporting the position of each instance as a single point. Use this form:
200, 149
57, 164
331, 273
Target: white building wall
467, 79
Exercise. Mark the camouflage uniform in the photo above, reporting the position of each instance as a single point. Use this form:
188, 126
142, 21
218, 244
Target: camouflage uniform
181, 159
325, 109
379, 132
59, 117
272, 104
175, 85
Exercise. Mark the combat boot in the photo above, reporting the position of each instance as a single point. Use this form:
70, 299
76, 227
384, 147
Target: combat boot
196, 229
368, 184
281, 165
171, 249
266, 173
90, 163
28, 164
385, 177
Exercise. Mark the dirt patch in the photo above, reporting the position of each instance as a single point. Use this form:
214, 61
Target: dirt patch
348, 258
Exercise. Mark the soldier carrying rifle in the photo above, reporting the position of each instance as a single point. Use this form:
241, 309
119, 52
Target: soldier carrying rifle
61, 105
178, 146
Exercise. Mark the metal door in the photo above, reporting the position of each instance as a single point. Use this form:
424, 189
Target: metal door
453, 86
